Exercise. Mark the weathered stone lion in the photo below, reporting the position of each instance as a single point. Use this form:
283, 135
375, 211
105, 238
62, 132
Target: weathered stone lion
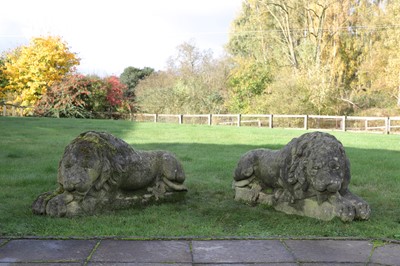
310, 176
100, 171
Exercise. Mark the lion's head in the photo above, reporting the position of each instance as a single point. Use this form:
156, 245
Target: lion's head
86, 162
319, 163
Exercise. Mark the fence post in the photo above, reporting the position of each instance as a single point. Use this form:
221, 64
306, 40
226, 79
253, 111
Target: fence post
13, 111
209, 119
306, 122
387, 125
271, 121
155, 118
344, 123
4, 110
180, 119
239, 116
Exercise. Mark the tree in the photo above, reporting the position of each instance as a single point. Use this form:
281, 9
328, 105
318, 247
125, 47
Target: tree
379, 73
201, 78
194, 82
74, 96
115, 91
248, 80
188, 60
3, 79
81, 96
156, 94
131, 77
31, 69
346, 48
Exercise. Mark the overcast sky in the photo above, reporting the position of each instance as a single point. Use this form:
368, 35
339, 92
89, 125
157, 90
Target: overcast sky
109, 36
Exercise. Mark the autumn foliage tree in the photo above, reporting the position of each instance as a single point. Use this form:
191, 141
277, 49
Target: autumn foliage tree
68, 98
81, 96
324, 57
115, 91
3, 79
31, 69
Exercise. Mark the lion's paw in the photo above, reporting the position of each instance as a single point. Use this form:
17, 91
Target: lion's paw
345, 211
57, 206
54, 204
363, 211
39, 205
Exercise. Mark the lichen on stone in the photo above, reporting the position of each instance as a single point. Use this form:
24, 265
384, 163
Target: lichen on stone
99, 171
309, 176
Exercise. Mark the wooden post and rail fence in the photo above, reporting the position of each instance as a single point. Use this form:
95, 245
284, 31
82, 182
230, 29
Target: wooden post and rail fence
11, 110
386, 125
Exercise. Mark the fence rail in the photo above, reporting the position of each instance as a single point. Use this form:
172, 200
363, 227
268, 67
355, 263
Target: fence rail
11, 110
386, 125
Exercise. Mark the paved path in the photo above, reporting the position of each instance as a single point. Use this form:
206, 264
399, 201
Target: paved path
284, 252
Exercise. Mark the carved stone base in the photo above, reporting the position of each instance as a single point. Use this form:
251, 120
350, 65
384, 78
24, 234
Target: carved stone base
64, 204
253, 194
310, 208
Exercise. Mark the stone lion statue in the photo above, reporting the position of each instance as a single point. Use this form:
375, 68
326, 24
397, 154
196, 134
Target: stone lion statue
310, 176
100, 171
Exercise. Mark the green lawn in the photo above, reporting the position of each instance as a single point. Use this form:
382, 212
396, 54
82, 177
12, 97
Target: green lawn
30, 149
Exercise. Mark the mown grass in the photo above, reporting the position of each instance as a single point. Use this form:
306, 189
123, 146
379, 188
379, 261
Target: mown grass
30, 149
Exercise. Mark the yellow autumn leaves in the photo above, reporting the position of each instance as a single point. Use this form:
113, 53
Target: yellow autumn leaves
31, 69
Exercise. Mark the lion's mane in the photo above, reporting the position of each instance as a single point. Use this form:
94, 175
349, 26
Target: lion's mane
305, 150
98, 147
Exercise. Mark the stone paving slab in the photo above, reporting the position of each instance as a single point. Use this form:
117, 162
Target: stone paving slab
240, 251
249, 264
42, 264
337, 264
388, 254
133, 264
99, 252
23, 250
337, 251
143, 251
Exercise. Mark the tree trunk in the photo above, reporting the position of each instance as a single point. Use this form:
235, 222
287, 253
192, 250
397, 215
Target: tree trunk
398, 97
283, 22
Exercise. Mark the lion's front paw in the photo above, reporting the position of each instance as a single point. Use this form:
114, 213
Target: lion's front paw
39, 205
363, 211
57, 206
346, 212
53, 204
